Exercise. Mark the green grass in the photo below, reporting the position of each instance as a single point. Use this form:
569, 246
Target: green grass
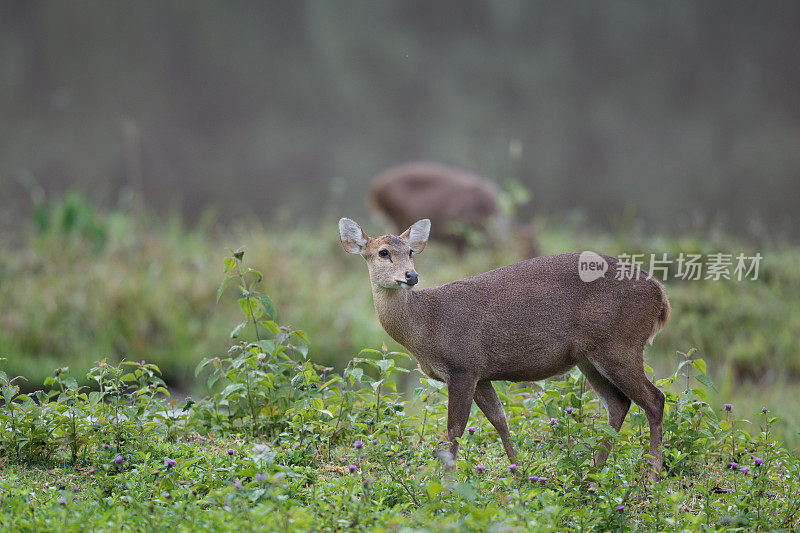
326, 451
279, 442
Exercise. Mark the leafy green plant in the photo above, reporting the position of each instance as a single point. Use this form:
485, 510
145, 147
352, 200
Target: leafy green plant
265, 383
289, 444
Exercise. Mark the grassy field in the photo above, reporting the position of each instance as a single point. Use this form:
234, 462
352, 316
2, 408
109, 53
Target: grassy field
281, 442
78, 285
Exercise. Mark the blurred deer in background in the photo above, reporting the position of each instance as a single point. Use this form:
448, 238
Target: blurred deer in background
456, 201
524, 322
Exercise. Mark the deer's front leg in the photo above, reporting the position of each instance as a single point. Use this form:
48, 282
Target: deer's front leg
461, 389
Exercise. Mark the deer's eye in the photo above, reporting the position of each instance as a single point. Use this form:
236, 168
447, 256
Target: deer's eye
410, 253
383, 253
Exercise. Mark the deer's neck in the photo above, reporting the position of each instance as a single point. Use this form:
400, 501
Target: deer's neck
397, 311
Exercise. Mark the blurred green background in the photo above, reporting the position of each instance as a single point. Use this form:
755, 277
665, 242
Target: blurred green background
685, 111
140, 140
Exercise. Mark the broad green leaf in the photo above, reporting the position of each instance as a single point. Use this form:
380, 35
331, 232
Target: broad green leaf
232, 388
700, 365
270, 326
701, 393
249, 307
355, 374
705, 380
302, 335
437, 385
267, 345
268, 305
199, 368
384, 364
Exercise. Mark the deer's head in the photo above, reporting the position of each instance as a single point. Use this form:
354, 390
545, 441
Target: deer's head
390, 258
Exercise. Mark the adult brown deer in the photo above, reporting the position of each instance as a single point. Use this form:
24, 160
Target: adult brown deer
455, 200
523, 322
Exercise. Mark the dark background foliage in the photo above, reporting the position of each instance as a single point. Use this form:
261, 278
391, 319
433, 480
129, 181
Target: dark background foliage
683, 112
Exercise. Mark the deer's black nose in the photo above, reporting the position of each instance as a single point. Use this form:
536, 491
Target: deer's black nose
412, 278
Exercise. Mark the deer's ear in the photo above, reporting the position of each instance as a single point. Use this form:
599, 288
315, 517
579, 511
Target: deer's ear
353, 237
417, 235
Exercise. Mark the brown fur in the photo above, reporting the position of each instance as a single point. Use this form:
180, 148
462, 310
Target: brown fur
523, 322
445, 195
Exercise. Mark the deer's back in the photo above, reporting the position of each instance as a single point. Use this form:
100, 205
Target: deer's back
538, 316
443, 194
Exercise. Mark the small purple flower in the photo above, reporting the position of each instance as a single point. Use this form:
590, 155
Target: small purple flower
231, 451
358, 444
106, 446
118, 460
471, 430
512, 468
733, 465
542, 480
165, 495
352, 468
259, 476
744, 470
764, 410
533, 479
170, 462
62, 501
728, 406
237, 484
553, 422
620, 508
758, 461
480, 468
374, 442
367, 482
569, 410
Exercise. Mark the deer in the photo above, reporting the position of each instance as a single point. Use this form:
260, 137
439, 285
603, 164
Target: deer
456, 200
523, 322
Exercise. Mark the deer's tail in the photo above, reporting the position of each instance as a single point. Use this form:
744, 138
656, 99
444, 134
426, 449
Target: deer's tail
663, 314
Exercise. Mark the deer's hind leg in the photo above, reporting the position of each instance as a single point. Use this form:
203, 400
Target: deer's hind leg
626, 371
488, 402
616, 402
